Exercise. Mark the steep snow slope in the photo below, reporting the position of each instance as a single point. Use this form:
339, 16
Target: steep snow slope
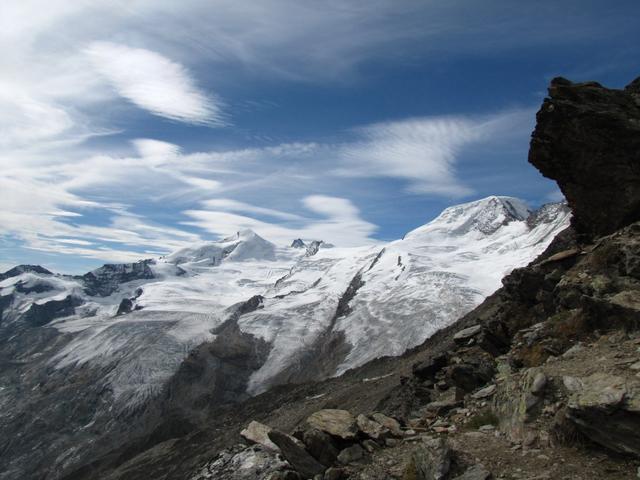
442, 270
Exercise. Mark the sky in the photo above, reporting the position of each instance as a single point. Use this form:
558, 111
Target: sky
132, 128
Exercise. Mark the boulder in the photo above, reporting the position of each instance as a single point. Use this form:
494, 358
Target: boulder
442, 407
371, 428
539, 384
485, 392
334, 474
464, 335
338, 423
391, 424
476, 370
245, 463
257, 432
351, 454
426, 370
431, 460
320, 445
587, 138
606, 409
370, 446
476, 472
296, 455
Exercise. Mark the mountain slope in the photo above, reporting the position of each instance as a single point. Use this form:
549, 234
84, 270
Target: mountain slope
511, 390
131, 344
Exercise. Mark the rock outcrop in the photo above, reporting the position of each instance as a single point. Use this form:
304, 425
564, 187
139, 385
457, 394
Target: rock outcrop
587, 138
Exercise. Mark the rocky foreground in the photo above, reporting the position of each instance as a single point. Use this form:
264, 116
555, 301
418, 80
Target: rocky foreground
541, 381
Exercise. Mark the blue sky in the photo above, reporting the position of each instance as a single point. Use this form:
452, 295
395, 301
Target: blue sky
132, 128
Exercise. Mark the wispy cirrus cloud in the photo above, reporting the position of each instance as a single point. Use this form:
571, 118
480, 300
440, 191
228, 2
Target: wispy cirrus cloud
425, 151
155, 83
333, 219
282, 191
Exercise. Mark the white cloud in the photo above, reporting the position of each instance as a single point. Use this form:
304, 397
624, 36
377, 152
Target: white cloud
155, 83
228, 205
51, 206
424, 151
340, 222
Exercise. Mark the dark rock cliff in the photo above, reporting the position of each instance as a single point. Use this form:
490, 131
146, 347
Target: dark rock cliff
587, 138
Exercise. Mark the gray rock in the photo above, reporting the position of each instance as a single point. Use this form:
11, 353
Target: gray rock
391, 424
338, 423
463, 335
244, 463
351, 454
572, 384
371, 428
432, 459
485, 392
539, 384
257, 432
476, 472
426, 370
370, 446
320, 445
578, 347
296, 455
334, 474
606, 411
442, 407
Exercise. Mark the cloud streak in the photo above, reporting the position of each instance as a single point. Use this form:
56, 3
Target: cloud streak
281, 191
155, 83
339, 221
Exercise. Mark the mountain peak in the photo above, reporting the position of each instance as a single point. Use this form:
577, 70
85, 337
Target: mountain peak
298, 243
244, 234
243, 245
485, 216
20, 269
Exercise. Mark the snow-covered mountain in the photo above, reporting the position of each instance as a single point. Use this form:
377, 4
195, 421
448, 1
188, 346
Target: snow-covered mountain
246, 314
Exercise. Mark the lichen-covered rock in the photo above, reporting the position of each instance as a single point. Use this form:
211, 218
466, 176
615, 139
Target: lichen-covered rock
587, 138
431, 460
606, 409
339, 423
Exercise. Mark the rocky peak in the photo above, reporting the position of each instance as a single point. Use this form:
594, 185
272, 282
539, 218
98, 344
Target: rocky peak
584, 128
243, 245
547, 213
485, 216
20, 269
313, 247
298, 243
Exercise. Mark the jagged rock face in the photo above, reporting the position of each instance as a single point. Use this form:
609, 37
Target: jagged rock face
41, 314
588, 139
20, 269
105, 280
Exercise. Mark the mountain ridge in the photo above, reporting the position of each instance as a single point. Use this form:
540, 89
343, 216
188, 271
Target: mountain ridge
128, 358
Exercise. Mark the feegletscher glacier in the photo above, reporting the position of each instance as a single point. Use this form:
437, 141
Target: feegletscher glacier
228, 319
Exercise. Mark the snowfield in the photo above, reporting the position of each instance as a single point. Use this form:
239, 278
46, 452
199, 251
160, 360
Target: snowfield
397, 295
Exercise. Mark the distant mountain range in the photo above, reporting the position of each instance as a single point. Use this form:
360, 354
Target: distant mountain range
83, 356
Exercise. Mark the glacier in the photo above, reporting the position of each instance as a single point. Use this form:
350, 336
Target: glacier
406, 290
